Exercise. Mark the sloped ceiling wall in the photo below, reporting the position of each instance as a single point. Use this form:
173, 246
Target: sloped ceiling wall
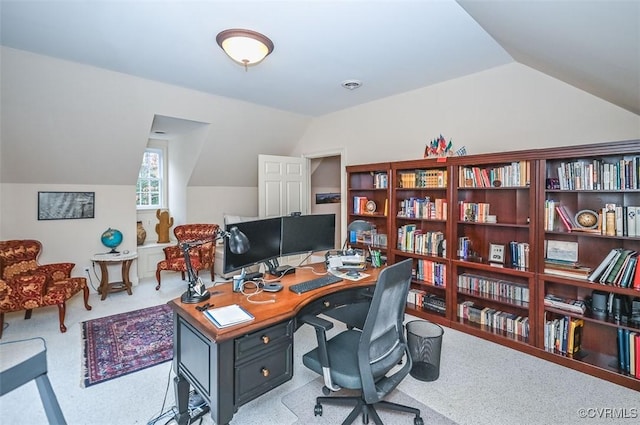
67, 123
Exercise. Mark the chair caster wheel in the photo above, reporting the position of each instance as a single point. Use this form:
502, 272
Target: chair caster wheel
317, 410
418, 421
326, 391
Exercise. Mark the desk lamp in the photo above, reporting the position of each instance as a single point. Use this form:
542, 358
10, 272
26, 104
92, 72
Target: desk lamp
196, 291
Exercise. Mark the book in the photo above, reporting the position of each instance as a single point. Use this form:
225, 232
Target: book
602, 266
610, 266
613, 274
575, 336
629, 271
228, 315
567, 304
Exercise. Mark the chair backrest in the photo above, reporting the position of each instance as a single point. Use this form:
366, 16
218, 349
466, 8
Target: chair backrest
18, 256
195, 232
383, 343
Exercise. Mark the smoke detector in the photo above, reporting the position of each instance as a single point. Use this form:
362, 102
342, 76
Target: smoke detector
351, 84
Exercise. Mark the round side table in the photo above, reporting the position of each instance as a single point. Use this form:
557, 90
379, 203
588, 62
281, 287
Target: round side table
104, 260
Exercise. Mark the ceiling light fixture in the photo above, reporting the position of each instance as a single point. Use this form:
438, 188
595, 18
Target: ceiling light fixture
245, 46
351, 84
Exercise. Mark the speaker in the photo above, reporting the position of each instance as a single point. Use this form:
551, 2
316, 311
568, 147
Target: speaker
599, 303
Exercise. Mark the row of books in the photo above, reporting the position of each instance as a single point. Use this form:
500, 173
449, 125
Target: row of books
494, 320
519, 254
423, 208
567, 304
598, 175
368, 237
629, 352
431, 272
619, 268
490, 287
610, 220
566, 269
423, 299
516, 174
475, 212
413, 239
380, 180
563, 335
422, 179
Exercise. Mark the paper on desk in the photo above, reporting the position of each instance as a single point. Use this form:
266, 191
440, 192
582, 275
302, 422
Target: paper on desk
345, 275
228, 315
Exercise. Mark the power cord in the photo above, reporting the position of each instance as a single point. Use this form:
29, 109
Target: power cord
171, 413
257, 289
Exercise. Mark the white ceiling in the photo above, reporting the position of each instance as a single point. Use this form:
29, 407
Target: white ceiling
391, 46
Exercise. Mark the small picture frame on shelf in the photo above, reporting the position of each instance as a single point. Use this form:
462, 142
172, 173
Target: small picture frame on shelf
496, 253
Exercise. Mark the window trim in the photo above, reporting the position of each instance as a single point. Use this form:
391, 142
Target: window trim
161, 148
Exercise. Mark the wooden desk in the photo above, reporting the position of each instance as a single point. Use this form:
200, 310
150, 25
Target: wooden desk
232, 366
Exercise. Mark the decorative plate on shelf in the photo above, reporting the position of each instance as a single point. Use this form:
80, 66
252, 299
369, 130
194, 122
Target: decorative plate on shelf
370, 207
587, 219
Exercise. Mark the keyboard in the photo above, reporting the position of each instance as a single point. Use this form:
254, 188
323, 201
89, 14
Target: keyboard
310, 285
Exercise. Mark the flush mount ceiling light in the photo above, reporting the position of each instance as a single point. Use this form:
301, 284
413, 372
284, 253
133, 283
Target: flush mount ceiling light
245, 46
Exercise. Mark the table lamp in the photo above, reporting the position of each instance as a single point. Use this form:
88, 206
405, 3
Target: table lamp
196, 291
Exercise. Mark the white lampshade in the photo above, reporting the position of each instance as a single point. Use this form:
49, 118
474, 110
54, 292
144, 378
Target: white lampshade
245, 46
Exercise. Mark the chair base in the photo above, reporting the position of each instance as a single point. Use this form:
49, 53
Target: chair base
367, 410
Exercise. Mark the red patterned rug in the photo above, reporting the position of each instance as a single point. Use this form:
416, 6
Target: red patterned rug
117, 345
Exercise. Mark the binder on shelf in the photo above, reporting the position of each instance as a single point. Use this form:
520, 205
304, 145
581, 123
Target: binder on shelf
228, 315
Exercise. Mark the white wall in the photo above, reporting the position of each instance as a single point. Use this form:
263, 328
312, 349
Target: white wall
507, 108
210, 204
73, 241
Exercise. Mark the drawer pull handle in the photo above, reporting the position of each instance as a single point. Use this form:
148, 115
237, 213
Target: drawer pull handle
265, 372
327, 304
265, 339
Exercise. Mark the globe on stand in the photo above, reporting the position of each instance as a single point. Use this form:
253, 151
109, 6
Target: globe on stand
111, 238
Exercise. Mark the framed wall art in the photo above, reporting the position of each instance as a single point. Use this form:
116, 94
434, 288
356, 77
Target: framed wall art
66, 205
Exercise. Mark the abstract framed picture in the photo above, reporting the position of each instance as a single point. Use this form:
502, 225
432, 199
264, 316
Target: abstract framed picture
66, 205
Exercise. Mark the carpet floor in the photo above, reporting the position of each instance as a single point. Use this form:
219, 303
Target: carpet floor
124, 343
301, 402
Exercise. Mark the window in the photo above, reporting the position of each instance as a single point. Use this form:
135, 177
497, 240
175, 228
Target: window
150, 185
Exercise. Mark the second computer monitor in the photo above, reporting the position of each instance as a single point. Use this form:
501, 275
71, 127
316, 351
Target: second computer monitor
264, 243
308, 233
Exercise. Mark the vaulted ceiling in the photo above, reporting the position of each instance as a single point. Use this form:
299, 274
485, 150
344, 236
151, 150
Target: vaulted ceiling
390, 46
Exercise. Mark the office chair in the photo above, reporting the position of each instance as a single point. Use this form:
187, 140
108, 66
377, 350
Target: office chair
361, 360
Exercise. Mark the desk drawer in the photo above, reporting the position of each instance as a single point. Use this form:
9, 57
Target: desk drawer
261, 341
272, 368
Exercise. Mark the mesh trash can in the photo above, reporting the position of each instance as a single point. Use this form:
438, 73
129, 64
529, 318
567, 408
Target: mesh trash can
425, 344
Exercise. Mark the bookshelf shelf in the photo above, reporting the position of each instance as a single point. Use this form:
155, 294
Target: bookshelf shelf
519, 201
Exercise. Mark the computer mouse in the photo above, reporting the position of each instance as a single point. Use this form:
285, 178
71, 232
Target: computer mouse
272, 287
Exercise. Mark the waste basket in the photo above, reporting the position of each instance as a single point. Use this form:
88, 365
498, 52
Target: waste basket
425, 344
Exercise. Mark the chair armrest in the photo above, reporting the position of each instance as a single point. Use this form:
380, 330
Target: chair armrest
23, 287
317, 322
322, 326
172, 251
56, 271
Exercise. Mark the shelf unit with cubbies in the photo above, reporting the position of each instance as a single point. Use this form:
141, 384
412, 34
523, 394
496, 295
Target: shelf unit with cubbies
492, 235
420, 212
583, 185
368, 191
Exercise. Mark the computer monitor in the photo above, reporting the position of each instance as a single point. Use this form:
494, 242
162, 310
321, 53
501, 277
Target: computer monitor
308, 233
264, 243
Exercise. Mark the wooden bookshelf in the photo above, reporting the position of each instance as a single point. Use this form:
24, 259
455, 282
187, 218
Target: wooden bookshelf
515, 187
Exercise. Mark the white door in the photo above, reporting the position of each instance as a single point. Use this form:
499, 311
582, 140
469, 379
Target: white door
282, 185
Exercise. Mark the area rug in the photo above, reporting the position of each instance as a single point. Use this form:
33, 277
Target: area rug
124, 343
301, 402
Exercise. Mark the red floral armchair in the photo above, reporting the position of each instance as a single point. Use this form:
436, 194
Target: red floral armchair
25, 284
202, 256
